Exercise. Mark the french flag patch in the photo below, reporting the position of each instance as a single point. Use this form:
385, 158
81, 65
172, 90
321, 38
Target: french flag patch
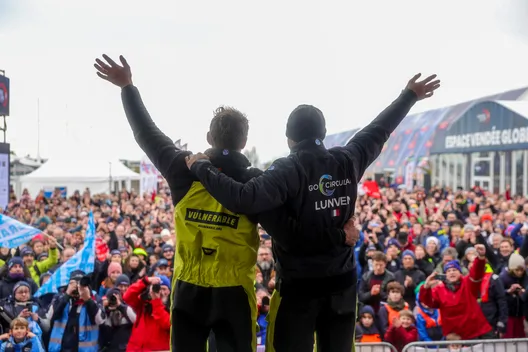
335, 212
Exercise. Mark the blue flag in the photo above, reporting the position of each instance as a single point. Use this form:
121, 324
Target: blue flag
83, 260
13, 233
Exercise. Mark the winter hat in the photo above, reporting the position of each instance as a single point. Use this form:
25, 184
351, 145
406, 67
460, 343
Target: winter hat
162, 262
113, 292
165, 281
20, 284
113, 267
77, 275
140, 251
306, 122
167, 248
42, 256
27, 251
433, 239
486, 217
367, 310
454, 264
115, 252
14, 261
394, 242
516, 261
122, 280
470, 250
469, 227
44, 276
408, 252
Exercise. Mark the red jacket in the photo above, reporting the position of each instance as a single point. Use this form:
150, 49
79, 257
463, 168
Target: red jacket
461, 313
399, 337
150, 332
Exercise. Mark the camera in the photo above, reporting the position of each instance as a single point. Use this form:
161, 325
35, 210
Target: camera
265, 301
112, 301
156, 288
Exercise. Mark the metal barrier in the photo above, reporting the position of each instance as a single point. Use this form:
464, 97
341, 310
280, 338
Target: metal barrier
375, 347
502, 345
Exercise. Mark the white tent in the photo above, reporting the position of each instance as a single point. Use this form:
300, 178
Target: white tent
99, 175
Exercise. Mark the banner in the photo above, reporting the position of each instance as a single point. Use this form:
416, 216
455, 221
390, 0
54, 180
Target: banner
13, 233
83, 260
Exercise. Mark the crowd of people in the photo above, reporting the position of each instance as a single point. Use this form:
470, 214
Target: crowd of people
446, 265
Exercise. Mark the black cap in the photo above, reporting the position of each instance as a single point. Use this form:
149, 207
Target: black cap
306, 122
77, 275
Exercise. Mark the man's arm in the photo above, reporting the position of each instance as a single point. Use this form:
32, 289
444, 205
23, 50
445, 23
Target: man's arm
260, 194
291, 235
367, 144
160, 149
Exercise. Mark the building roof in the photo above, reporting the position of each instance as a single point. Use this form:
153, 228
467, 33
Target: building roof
414, 136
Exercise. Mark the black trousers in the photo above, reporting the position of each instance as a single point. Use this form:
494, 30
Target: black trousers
294, 320
226, 311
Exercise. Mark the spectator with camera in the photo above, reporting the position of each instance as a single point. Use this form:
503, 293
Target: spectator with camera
75, 317
117, 328
149, 298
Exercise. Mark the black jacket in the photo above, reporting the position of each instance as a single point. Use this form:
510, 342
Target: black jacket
170, 161
417, 277
496, 308
318, 187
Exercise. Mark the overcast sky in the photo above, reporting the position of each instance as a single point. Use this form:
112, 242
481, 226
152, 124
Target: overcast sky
349, 58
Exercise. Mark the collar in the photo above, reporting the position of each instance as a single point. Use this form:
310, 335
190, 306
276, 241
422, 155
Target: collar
229, 162
309, 144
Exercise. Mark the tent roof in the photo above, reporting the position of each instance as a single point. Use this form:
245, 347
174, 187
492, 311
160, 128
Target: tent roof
81, 169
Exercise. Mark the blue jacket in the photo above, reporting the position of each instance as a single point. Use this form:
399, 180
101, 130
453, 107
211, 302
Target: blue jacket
424, 333
263, 325
12, 346
88, 332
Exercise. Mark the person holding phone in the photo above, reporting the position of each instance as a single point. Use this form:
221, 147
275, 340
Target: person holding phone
456, 298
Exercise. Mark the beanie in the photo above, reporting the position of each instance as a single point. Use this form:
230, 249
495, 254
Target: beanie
469, 250
408, 252
516, 261
77, 275
122, 280
113, 267
165, 281
20, 284
306, 122
454, 264
14, 261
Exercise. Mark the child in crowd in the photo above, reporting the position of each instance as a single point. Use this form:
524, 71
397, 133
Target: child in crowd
390, 309
366, 329
20, 338
455, 347
402, 331
428, 321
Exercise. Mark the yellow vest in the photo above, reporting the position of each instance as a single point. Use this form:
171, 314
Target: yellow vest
214, 247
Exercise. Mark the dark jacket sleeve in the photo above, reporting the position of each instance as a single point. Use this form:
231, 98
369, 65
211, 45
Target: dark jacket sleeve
383, 320
113, 243
366, 145
260, 194
364, 290
169, 160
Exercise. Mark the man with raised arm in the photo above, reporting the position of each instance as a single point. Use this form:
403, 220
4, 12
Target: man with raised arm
216, 249
316, 288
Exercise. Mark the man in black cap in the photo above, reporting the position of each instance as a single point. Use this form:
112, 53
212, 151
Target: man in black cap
319, 188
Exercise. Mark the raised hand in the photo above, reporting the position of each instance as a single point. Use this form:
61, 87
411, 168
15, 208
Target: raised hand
423, 89
121, 76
